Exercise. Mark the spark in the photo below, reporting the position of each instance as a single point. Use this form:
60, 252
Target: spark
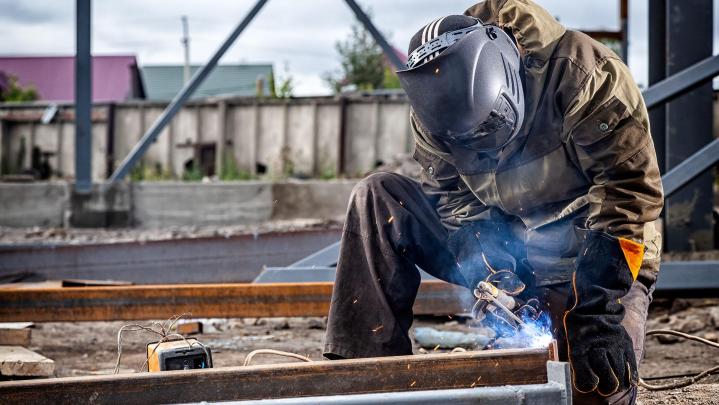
408, 366
391, 218
355, 301
377, 329
435, 348
401, 203
413, 383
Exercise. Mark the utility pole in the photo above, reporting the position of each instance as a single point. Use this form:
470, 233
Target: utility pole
186, 45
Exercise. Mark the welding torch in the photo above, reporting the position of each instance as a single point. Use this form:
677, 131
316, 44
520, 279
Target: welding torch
486, 293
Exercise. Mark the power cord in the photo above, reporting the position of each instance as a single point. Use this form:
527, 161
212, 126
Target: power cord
689, 379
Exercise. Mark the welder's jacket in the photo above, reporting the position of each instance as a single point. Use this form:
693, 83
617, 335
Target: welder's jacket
584, 158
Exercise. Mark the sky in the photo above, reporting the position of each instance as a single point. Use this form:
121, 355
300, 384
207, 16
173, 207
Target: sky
295, 35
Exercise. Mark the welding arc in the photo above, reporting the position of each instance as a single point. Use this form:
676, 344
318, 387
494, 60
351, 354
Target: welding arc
692, 378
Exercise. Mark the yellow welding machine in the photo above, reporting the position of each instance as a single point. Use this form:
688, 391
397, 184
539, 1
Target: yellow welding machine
178, 355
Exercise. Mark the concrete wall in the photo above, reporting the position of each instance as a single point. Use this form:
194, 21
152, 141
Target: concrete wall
168, 204
301, 137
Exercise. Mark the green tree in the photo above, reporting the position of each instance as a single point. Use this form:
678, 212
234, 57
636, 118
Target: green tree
283, 86
11, 91
362, 64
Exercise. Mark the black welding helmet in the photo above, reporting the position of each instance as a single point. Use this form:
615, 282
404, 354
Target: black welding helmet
463, 82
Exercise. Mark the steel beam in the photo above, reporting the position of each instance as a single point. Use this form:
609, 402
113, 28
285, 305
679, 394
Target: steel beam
187, 90
348, 377
691, 167
389, 51
557, 391
233, 259
682, 82
83, 97
689, 279
201, 300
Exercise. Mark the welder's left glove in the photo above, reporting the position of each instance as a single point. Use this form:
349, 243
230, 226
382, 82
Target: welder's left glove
600, 350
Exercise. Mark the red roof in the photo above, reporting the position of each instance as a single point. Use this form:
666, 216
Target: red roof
113, 77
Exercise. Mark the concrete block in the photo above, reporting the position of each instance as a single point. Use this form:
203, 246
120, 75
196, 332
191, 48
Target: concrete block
360, 138
301, 139
311, 199
328, 135
33, 204
161, 204
104, 207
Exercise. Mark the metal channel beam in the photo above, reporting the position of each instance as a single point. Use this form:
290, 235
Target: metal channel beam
83, 97
321, 378
187, 90
194, 260
201, 300
681, 82
557, 391
389, 51
690, 168
689, 279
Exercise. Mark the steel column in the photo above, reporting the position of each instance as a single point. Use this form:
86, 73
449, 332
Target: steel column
388, 49
689, 125
657, 73
187, 90
83, 97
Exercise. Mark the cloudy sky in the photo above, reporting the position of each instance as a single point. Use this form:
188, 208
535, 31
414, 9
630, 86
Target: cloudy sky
297, 34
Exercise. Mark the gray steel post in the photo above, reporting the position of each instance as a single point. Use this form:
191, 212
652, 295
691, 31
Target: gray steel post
83, 97
388, 49
187, 90
657, 72
624, 25
689, 125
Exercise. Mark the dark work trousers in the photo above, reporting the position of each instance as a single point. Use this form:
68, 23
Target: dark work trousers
390, 227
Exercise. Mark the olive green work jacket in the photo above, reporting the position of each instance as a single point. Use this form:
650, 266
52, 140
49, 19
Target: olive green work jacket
584, 158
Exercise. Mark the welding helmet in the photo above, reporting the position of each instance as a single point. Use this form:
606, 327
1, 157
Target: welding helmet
463, 81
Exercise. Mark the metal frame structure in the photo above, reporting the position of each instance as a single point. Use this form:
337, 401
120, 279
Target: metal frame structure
83, 97
189, 88
656, 96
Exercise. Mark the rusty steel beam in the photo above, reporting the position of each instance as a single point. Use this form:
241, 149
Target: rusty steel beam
358, 376
201, 300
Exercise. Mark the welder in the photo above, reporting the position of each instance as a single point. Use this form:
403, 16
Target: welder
536, 154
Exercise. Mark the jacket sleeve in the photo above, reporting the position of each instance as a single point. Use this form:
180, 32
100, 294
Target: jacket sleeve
607, 126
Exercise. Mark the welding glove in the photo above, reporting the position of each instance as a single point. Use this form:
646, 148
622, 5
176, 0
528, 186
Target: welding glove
482, 248
601, 352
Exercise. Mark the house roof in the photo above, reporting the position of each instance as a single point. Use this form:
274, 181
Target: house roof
163, 82
113, 77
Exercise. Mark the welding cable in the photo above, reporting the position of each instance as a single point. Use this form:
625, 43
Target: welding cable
692, 378
253, 353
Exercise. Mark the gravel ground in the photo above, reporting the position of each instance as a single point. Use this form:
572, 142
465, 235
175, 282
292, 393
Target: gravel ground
88, 236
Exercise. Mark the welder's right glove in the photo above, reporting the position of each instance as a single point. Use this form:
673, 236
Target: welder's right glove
601, 352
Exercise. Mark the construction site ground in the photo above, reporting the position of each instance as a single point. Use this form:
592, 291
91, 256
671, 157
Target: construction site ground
90, 348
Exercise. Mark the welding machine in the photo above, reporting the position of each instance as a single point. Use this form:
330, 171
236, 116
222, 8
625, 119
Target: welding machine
178, 355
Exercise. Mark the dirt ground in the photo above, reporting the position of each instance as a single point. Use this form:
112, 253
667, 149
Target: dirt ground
91, 348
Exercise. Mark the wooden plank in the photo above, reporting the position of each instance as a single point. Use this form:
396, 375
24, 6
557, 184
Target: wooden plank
357, 376
201, 300
16, 361
15, 337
